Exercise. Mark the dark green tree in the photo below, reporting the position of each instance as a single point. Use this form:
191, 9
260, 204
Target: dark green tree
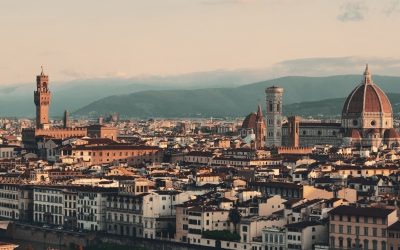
234, 217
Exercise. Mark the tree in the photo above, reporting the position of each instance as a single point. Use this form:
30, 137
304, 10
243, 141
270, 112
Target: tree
234, 216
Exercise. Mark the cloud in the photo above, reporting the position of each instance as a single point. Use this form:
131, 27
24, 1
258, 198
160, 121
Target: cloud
352, 11
72, 74
337, 66
393, 7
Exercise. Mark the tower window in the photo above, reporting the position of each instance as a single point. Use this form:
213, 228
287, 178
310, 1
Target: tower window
271, 107
373, 123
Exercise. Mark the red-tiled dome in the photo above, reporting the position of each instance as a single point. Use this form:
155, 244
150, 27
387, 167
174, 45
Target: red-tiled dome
250, 121
367, 97
391, 134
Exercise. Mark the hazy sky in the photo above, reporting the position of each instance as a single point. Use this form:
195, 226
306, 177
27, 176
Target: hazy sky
76, 39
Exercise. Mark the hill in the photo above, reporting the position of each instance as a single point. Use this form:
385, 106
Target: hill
329, 107
323, 95
75, 94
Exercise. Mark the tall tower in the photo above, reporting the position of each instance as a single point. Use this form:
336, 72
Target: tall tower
274, 116
66, 119
293, 133
42, 98
260, 129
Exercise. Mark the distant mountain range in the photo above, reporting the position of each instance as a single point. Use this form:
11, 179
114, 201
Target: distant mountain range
329, 107
17, 100
307, 96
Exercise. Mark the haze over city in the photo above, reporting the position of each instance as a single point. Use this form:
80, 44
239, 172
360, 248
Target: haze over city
112, 39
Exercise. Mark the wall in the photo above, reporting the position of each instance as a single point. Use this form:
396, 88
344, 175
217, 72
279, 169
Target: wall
42, 239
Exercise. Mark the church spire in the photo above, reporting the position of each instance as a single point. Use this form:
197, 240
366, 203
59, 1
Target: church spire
367, 76
259, 111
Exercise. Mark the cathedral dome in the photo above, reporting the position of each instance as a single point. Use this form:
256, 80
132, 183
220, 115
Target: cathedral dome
367, 98
250, 121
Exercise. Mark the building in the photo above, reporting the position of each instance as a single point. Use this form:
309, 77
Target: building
274, 238
254, 127
274, 98
367, 112
305, 234
91, 207
360, 227
99, 154
43, 129
302, 133
48, 205
367, 120
393, 234
9, 195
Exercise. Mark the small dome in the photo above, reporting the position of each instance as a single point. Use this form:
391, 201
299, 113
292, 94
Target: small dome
390, 134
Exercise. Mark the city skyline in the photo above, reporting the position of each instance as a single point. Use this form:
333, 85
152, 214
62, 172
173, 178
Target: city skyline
108, 39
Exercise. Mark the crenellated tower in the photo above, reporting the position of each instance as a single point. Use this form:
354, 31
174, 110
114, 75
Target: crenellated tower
42, 97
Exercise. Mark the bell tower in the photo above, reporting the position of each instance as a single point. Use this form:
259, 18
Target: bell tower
42, 96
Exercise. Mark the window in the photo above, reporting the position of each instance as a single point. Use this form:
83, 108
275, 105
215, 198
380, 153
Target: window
244, 228
383, 247
341, 242
375, 245
366, 231
332, 228
333, 242
348, 243
374, 232
348, 229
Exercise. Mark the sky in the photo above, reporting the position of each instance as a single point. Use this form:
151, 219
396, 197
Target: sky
80, 39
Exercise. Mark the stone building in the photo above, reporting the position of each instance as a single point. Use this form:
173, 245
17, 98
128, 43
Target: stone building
43, 129
254, 127
367, 120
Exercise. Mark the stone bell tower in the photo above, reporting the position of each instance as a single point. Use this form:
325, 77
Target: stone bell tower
42, 97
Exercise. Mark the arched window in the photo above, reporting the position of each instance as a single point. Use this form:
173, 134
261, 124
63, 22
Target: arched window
383, 245
332, 241
366, 247
349, 243
375, 245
